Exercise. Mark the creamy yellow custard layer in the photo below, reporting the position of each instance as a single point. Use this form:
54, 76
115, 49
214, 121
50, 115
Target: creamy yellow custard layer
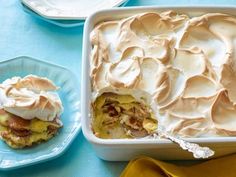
19, 133
17, 142
121, 116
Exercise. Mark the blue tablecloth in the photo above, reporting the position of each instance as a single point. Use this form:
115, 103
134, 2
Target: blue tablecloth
21, 34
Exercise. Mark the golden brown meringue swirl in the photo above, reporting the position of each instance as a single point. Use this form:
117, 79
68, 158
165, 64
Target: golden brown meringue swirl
30, 97
183, 67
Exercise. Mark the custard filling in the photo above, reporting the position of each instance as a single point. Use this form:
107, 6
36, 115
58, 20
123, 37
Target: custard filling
19, 133
121, 116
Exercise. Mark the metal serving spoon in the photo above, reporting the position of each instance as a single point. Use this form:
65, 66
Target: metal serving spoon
198, 151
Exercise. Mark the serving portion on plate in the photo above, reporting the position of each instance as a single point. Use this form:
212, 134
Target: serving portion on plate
161, 69
30, 111
39, 104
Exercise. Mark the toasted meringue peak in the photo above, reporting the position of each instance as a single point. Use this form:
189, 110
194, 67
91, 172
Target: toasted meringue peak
125, 73
199, 86
153, 75
184, 68
30, 97
176, 82
185, 127
228, 72
223, 114
36, 83
186, 60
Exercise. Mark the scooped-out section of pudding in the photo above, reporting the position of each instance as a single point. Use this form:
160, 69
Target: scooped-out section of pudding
121, 116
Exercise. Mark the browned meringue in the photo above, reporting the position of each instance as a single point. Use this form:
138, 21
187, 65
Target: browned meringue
183, 67
30, 97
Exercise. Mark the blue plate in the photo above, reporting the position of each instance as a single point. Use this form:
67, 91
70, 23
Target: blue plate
61, 23
69, 94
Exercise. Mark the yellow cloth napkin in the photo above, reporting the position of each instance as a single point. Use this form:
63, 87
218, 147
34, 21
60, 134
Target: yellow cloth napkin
148, 167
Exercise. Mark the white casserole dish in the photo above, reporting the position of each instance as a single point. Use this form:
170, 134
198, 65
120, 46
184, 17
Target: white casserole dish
126, 149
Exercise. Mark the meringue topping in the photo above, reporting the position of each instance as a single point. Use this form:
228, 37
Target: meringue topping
30, 97
182, 67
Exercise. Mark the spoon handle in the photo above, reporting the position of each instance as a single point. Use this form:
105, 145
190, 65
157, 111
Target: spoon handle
198, 151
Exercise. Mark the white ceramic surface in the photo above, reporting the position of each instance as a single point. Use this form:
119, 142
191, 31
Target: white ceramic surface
123, 149
61, 23
69, 9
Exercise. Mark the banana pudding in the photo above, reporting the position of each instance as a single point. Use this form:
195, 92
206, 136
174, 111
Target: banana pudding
164, 68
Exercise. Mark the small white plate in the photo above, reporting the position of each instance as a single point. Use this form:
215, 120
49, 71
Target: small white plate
69, 9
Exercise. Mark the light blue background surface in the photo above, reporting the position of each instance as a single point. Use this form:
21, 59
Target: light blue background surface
21, 34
